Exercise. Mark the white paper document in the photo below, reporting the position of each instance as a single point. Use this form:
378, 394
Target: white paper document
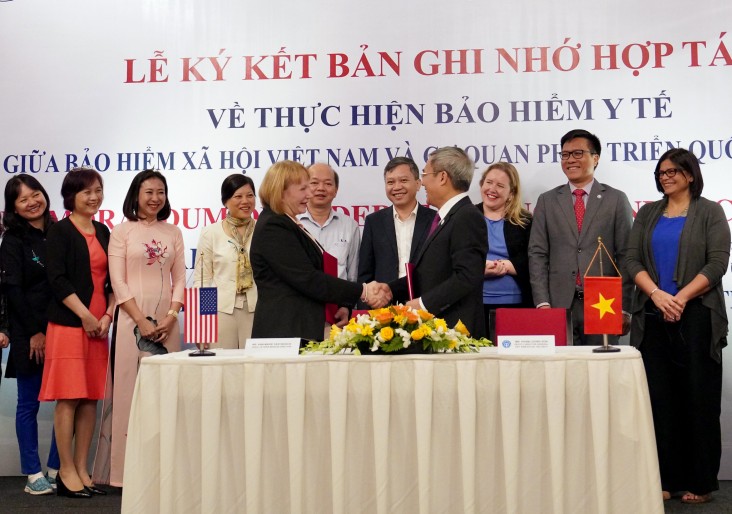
273, 347
525, 345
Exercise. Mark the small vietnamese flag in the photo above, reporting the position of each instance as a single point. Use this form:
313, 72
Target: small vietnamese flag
603, 305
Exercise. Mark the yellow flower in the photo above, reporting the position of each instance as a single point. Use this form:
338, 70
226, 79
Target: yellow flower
366, 330
460, 327
452, 344
440, 324
334, 331
386, 333
399, 319
417, 334
352, 326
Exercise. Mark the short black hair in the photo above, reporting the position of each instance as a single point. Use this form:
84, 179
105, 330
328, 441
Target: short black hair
11, 220
594, 141
687, 161
76, 180
130, 205
232, 183
398, 161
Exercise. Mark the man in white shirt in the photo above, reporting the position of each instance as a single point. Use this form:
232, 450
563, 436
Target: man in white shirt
393, 236
337, 233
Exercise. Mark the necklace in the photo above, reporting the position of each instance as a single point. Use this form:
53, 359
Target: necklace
666, 214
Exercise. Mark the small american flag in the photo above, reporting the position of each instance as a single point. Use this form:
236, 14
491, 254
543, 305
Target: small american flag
201, 315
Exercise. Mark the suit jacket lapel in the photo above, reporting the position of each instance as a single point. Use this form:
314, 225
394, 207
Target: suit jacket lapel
421, 226
443, 223
390, 232
564, 199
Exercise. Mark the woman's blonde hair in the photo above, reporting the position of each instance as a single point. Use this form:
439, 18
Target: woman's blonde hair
278, 178
515, 213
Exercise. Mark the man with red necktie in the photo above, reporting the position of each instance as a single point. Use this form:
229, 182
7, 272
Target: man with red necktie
567, 222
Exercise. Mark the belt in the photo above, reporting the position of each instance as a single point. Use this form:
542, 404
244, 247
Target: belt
579, 294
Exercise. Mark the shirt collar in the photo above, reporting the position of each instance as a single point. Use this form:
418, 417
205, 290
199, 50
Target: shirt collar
586, 189
411, 214
445, 209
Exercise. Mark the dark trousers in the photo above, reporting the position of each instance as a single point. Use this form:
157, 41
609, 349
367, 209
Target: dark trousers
685, 386
26, 426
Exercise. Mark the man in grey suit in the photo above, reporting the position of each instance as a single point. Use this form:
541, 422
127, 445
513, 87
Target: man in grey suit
393, 236
564, 234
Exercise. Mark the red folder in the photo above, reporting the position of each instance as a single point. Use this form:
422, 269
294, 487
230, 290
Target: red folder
330, 267
528, 322
409, 267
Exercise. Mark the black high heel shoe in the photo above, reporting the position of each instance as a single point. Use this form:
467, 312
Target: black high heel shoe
62, 490
95, 490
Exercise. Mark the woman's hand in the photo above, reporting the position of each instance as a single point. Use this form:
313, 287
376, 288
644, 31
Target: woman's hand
147, 329
496, 268
670, 306
104, 322
38, 347
91, 325
164, 328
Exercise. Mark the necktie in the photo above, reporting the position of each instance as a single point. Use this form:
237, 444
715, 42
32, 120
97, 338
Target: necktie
579, 214
579, 207
435, 224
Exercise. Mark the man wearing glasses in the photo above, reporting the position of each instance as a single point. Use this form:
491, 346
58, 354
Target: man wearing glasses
567, 222
448, 271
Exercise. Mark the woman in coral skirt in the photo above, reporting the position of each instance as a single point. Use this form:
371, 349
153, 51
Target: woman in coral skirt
78, 322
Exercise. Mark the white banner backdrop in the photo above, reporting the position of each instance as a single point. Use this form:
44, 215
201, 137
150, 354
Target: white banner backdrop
201, 90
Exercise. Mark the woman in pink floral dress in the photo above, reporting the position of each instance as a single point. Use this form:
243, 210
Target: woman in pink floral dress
147, 270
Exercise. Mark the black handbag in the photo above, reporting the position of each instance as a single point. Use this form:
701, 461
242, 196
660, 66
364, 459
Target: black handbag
145, 344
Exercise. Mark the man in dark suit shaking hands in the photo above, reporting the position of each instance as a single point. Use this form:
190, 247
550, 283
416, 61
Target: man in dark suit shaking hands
448, 273
393, 236
567, 222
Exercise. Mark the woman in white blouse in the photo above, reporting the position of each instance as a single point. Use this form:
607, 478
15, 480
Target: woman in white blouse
222, 261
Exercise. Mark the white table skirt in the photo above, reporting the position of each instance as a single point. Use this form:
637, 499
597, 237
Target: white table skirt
566, 433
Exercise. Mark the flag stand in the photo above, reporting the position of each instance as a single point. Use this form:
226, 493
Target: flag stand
605, 348
202, 351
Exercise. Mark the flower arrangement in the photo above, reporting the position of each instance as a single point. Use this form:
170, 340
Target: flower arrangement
396, 328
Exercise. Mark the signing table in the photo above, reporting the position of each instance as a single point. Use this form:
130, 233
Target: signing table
564, 433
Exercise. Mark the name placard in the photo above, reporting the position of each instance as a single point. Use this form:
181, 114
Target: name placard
273, 347
526, 345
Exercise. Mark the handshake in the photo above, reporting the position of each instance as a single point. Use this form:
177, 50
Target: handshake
376, 294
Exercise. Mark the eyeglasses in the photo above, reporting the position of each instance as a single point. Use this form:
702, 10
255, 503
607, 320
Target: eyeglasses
425, 173
577, 154
670, 173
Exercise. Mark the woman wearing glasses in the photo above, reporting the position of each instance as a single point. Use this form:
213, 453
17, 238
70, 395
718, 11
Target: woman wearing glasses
678, 252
